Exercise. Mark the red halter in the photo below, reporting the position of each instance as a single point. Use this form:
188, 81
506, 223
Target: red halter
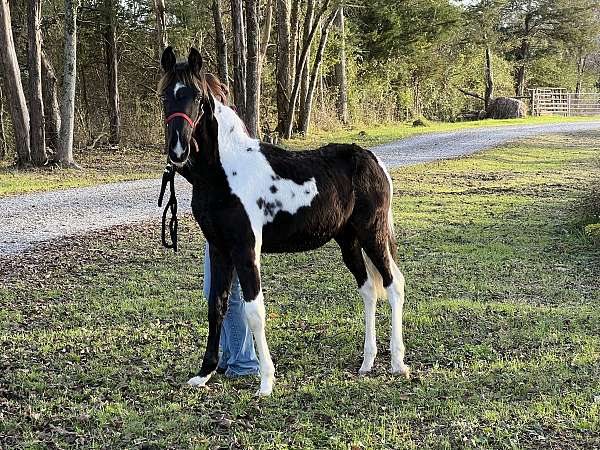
189, 120
183, 116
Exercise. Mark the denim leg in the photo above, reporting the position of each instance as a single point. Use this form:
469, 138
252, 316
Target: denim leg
237, 347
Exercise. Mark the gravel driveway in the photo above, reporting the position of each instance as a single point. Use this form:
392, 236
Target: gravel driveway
30, 218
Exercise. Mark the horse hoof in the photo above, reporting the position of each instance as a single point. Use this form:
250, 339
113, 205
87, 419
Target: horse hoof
264, 393
199, 381
363, 372
402, 369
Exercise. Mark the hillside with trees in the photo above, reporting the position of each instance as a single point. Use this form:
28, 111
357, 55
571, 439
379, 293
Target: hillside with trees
83, 74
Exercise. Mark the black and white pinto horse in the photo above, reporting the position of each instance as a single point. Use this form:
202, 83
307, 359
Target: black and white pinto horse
251, 198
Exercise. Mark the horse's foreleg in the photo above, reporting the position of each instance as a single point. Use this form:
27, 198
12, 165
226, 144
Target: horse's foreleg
221, 271
247, 264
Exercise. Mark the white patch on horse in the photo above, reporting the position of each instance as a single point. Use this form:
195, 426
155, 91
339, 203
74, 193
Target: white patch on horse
262, 192
178, 150
255, 316
199, 381
178, 86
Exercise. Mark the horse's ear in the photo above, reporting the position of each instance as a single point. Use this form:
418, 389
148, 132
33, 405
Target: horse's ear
195, 61
168, 59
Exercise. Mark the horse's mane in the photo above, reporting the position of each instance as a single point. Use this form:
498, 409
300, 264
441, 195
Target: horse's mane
203, 82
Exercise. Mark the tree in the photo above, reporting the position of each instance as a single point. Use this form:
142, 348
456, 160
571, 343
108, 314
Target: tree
36, 104
239, 56
482, 23
221, 43
252, 68
306, 110
162, 40
289, 122
12, 77
3, 143
340, 70
112, 71
538, 28
283, 62
305, 75
51, 107
67, 119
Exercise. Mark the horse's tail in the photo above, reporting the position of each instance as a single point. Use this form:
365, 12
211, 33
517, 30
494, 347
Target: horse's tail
374, 274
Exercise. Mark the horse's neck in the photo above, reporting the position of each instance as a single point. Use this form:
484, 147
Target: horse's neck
233, 136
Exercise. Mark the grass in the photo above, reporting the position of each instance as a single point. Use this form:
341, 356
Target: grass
369, 136
502, 327
106, 166
98, 166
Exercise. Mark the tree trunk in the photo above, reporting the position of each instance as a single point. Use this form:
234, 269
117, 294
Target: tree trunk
305, 76
340, 71
294, 96
239, 56
3, 143
51, 108
581, 60
283, 62
306, 111
266, 31
162, 39
37, 136
12, 78
523, 56
221, 42
67, 112
252, 68
112, 74
489, 77
294, 36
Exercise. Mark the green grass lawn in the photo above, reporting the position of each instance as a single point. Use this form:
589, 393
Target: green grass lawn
106, 166
502, 325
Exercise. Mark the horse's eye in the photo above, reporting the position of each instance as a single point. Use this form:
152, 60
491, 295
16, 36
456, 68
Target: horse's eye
162, 97
198, 98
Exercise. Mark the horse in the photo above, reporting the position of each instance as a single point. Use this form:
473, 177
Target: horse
251, 197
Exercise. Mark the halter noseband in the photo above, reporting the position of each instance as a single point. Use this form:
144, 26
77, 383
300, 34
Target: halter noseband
190, 122
187, 118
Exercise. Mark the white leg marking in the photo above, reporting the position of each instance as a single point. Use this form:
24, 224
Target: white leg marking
255, 315
199, 381
396, 297
369, 295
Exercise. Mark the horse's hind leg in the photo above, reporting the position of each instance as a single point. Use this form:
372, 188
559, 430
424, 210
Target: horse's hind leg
393, 282
352, 255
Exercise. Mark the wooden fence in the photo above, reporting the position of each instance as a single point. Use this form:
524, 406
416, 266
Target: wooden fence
557, 101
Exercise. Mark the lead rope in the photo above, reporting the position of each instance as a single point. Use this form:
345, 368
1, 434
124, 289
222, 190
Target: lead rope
169, 177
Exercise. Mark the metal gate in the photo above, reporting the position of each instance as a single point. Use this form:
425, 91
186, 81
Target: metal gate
557, 101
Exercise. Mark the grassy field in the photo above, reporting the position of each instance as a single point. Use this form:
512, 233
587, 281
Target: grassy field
106, 166
502, 326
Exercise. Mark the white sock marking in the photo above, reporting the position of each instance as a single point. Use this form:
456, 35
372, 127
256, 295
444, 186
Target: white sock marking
255, 316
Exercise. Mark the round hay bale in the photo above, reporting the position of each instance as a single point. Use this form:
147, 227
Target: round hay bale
420, 122
506, 108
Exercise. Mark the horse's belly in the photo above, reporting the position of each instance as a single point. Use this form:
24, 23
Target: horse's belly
298, 233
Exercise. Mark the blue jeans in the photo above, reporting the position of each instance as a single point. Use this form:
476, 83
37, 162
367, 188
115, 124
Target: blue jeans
238, 357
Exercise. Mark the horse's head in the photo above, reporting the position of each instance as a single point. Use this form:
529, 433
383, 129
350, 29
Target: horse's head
183, 92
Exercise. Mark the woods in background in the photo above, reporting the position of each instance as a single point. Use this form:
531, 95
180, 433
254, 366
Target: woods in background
82, 73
